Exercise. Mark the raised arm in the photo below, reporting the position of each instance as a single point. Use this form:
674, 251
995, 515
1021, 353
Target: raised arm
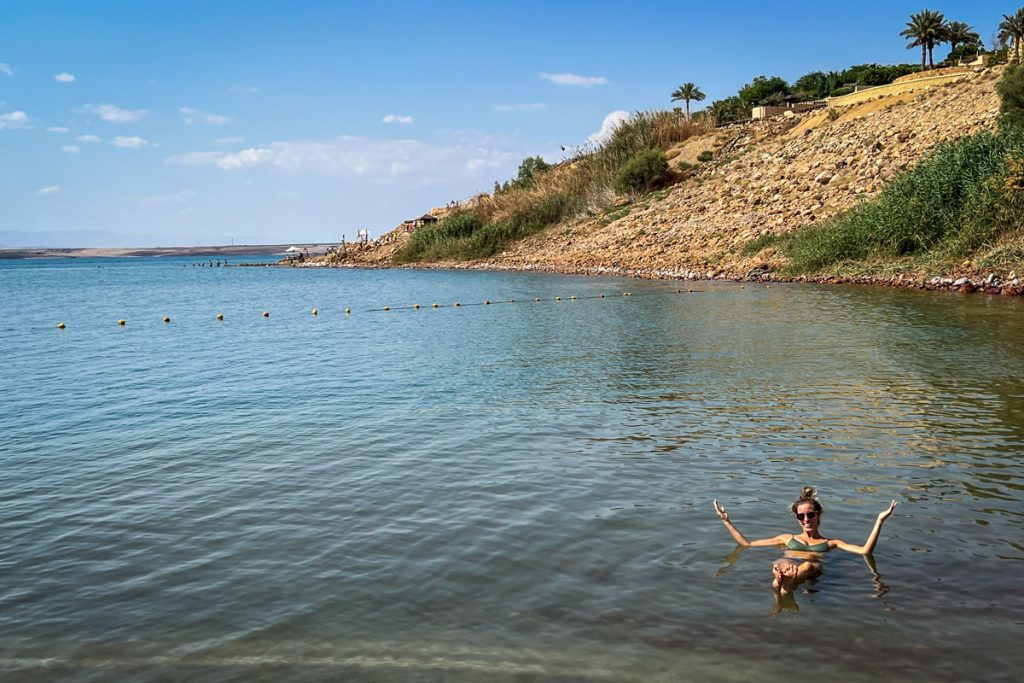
869, 545
740, 538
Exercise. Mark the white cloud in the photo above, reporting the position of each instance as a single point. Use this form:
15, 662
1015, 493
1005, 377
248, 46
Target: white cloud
608, 126
71, 149
231, 140
244, 89
193, 115
52, 189
396, 118
385, 160
58, 129
574, 79
15, 119
114, 114
88, 138
129, 142
519, 106
64, 77
6, 69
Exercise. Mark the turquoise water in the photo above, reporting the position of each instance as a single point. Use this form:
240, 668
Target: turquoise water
519, 491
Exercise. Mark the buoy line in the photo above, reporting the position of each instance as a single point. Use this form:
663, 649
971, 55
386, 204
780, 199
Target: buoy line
315, 312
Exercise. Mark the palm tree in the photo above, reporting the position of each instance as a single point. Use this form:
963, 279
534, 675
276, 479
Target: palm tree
1013, 28
959, 33
688, 92
927, 29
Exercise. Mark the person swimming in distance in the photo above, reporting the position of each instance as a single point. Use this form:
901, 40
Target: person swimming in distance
803, 550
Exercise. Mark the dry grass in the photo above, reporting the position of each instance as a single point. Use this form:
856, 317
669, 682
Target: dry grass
581, 186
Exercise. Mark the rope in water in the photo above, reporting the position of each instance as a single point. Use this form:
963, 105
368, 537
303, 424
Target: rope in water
434, 306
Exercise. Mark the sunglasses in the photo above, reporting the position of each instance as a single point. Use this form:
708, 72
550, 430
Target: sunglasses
806, 515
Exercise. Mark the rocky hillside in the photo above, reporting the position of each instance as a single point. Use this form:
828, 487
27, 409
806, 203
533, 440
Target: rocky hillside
766, 178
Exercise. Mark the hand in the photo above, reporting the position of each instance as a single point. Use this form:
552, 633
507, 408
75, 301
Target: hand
720, 511
884, 514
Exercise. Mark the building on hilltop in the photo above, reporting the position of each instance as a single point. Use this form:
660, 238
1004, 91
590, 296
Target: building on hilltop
419, 222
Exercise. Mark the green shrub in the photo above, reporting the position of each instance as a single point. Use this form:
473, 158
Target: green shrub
642, 173
729, 110
464, 235
839, 92
706, 155
1011, 93
428, 238
957, 200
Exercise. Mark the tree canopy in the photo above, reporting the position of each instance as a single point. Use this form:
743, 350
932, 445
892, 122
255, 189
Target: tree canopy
764, 90
926, 29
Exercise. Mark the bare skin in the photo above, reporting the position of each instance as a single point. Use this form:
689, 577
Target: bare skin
799, 565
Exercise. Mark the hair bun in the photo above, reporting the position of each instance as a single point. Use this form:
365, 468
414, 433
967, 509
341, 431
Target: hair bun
808, 492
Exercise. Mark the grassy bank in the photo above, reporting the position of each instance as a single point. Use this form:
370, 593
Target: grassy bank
965, 197
583, 185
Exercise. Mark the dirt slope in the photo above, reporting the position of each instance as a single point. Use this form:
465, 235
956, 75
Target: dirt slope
771, 177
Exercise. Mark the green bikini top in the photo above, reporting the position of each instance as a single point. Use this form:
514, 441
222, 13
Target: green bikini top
794, 544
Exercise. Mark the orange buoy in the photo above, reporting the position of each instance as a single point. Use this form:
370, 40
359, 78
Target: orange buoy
434, 305
121, 323
60, 326
348, 311
416, 307
456, 304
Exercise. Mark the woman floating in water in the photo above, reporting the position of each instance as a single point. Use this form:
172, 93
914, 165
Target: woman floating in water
803, 550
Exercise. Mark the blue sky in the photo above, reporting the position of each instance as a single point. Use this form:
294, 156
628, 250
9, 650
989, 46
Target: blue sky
156, 123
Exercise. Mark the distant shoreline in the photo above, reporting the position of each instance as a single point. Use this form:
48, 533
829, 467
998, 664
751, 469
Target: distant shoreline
314, 249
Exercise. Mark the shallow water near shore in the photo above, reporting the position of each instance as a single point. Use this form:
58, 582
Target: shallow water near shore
520, 491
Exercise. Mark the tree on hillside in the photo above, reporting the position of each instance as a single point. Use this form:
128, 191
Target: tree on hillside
959, 33
729, 110
1012, 28
764, 89
530, 169
812, 86
688, 92
926, 29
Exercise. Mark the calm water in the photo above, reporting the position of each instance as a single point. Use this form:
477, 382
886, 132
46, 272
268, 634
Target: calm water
508, 492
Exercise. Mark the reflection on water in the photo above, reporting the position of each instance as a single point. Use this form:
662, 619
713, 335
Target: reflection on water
515, 492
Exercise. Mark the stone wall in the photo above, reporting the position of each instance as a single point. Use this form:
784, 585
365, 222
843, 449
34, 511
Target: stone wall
895, 88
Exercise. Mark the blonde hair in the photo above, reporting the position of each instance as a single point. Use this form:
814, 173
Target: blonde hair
808, 495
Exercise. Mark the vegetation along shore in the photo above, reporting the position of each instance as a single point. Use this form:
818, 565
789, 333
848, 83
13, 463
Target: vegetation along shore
906, 175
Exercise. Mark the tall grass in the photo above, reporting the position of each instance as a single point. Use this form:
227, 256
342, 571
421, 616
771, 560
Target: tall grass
580, 185
959, 199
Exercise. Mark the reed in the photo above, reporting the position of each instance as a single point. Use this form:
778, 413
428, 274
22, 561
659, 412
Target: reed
961, 198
